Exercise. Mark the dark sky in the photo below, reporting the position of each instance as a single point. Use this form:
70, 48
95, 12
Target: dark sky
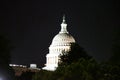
31, 26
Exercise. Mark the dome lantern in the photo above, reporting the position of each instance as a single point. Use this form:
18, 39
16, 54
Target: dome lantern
63, 26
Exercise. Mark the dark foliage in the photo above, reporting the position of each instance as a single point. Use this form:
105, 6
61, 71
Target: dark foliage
6, 72
5, 48
73, 55
82, 70
77, 65
115, 59
26, 76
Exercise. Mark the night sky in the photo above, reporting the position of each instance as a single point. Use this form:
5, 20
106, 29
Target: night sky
31, 26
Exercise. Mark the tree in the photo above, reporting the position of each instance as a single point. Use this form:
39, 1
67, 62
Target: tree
83, 69
73, 55
44, 75
115, 59
109, 71
26, 76
5, 48
77, 65
6, 72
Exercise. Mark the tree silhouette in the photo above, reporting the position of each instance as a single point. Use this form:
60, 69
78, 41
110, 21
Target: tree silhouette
26, 76
74, 54
77, 65
5, 49
115, 59
83, 69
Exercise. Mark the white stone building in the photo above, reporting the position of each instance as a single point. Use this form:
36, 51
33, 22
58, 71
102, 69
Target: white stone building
61, 42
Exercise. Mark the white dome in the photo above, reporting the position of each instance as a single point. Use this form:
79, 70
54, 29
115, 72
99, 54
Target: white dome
62, 39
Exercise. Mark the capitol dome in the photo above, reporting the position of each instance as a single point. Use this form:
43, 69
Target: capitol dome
61, 42
62, 39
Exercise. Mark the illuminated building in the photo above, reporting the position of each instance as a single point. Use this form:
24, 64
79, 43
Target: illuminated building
19, 69
61, 42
